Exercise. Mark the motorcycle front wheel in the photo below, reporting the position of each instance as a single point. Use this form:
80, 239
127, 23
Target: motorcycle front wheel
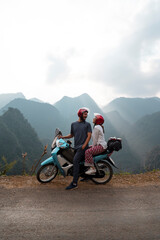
47, 173
106, 173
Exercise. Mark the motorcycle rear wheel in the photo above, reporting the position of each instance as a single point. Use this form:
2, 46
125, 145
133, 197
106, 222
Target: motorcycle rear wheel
47, 173
106, 171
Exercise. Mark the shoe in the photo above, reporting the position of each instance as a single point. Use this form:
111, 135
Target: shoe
90, 171
72, 186
86, 179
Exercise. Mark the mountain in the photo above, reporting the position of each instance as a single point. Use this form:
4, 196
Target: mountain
8, 97
118, 122
68, 108
138, 137
17, 137
125, 159
43, 117
36, 100
144, 135
138, 120
152, 160
132, 109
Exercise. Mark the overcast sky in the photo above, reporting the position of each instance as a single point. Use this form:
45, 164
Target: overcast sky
55, 48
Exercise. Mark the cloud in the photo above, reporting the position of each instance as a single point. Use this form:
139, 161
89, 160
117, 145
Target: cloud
134, 67
58, 69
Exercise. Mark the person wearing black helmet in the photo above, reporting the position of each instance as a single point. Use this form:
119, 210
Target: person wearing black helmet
81, 131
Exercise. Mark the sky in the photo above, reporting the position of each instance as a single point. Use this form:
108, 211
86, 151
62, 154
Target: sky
55, 48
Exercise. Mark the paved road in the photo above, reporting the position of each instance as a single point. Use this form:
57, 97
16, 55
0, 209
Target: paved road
100, 213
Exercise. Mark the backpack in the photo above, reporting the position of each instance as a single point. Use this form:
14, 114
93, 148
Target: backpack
114, 144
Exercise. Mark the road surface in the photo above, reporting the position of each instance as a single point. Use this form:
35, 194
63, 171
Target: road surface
42, 212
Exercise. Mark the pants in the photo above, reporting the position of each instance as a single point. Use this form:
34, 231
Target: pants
79, 156
90, 152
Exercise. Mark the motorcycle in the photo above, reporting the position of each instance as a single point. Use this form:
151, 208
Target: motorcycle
61, 160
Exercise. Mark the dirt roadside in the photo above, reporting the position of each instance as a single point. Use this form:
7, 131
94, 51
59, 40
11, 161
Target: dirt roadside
118, 180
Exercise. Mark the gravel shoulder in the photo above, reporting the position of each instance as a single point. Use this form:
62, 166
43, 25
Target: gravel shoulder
118, 180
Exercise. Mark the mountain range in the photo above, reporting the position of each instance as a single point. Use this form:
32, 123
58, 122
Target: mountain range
132, 109
42, 116
146, 131
135, 120
8, 97
68, 107
17, 137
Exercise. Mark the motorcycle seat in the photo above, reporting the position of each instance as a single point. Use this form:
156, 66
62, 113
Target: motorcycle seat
106, 151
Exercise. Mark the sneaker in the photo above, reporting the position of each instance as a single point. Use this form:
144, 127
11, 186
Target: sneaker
72, 186
90, 171
85, 179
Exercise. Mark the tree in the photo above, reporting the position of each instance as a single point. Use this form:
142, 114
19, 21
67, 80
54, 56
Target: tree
6, 167
153, 159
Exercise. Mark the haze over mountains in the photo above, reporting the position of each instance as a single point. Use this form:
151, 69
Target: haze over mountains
136, 120
132, 109
8, 97
42, 116
68, 106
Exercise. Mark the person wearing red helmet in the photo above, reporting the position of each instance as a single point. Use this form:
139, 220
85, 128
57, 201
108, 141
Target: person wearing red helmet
81, 112
81, 131
99, 143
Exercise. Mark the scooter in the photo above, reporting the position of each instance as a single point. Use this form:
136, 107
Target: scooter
61, 160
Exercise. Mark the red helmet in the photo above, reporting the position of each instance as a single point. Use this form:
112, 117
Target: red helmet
81, 111
99, 119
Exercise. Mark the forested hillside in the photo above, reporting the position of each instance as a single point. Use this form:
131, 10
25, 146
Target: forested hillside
152, 160
43, 117
144, 135
135, 120
17, 137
